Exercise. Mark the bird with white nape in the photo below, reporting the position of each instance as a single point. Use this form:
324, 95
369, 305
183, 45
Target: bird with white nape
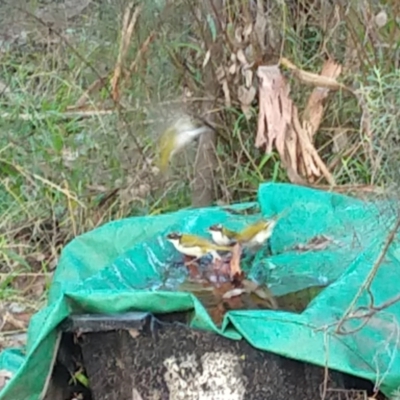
252, 236
195, 246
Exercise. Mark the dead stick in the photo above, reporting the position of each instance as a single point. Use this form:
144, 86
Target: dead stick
371, 275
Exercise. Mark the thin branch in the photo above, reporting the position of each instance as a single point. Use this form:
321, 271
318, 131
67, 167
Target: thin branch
367, 283
375, 309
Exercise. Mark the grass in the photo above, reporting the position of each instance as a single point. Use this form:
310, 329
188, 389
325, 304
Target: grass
62, 174
58, 171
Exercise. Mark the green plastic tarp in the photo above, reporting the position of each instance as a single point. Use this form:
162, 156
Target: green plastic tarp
117, 267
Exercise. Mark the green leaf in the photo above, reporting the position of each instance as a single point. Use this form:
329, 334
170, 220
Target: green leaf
213, 28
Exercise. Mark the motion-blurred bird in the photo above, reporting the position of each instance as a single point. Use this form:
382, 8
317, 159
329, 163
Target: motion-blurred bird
195, 246
175, 138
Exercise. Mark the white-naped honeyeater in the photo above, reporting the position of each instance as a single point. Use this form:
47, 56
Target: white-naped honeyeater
195, 246
252, 236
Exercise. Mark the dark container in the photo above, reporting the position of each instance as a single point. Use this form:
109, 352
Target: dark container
137, 356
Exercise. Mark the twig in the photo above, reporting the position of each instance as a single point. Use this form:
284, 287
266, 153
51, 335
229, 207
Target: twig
5, 147
251, 160
326, 367
373, 310
314, 79
143, 49
67, 114
13, 333
128, 25
367, 283
348, 188
98, 84
23, 274
54, 186
71, 213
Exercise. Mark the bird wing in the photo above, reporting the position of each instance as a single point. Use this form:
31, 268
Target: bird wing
251, 230
231, 234
192, 240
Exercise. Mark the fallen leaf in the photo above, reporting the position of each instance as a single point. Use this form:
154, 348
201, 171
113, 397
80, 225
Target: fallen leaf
234, 303
247, 30
319, 242
238, 34
225, 89
232, 293
246, 97
206, 58
248, 78
232, 69
242, 58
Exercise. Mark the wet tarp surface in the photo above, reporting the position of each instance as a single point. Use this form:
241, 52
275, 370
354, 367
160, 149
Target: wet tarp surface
119, 267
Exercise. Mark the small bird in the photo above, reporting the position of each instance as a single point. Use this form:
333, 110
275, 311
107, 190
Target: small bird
222, 236
175, 138
253, 236
195, 246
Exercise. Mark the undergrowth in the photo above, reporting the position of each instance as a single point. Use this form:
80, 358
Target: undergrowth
63, 173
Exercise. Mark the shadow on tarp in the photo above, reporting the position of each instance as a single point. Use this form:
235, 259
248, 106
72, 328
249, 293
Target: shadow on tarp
121, 266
